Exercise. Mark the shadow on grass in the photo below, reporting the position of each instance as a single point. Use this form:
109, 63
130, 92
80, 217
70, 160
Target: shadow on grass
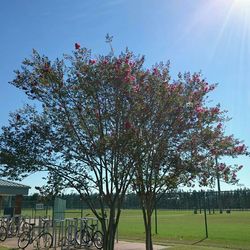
199, 241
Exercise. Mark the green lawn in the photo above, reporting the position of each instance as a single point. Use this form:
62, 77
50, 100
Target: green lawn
185, 228
191, 247
224, 230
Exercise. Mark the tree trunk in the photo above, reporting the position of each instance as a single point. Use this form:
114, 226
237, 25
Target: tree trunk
148, 228
109, 232
218, 183
149, 243
109, 239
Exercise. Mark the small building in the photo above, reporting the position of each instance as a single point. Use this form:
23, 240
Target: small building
11, 196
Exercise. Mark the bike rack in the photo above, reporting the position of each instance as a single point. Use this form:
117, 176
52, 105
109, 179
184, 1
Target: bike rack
63, 231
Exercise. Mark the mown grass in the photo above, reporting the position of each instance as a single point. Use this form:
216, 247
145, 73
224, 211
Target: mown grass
187, 247
184, 227
224, 230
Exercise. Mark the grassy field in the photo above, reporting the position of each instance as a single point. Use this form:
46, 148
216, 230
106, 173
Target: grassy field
183, 227
224, 230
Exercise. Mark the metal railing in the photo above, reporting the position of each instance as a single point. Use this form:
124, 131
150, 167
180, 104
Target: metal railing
67, 233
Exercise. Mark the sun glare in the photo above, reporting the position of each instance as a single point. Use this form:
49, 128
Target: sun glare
244, 3
229, 25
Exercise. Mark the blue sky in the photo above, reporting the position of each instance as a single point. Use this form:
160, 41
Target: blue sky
208, 35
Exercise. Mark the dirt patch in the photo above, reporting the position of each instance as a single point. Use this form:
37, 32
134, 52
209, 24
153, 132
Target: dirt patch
122, 245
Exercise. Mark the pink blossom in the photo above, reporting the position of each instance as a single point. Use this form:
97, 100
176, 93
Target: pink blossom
221, 166
195, 92
155, 71
132, 78
199, 110
117, 68
127, 125
97, 114
206, 88
128, 70
214, 151
219, 126
129, 78
172, 87
196, 78
77, 46
234, 176
46, 67
92, 61
136, 88
239, 149
118, 62
131, 64
215, 110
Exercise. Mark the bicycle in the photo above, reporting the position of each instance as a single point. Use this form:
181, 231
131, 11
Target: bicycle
23, 225
44, 239
3, 233
17, 225
10, 224
45, 223
88, 235
79, 236
69, 237
70, 232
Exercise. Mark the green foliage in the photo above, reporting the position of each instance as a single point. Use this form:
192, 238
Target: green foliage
106, 123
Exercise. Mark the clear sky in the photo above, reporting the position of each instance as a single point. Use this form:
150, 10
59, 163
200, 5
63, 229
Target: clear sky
208, 35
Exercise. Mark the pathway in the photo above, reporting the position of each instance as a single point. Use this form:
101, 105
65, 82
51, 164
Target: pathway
122, 245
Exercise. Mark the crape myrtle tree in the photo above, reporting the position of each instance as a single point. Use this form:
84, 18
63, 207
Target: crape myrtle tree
107, 124
81, 133
178, 134
225, 146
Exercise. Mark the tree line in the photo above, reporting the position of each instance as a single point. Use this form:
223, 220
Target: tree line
234, 199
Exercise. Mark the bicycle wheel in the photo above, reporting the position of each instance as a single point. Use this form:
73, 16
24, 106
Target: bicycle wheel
13, 228
24, 240
98, 239
45, 241
3, 233
62, 242
70, 231
81, 238
25, 227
